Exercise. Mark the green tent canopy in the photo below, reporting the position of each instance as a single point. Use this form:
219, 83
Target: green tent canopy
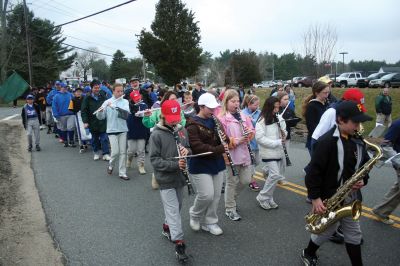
13, 88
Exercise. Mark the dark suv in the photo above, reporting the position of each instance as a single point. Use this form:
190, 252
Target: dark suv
364, 83
305, 82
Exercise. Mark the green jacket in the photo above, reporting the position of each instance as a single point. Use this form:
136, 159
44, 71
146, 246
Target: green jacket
383, 104
89, 106
151, 121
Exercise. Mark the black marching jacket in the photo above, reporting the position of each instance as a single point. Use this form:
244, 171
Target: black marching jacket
323, 177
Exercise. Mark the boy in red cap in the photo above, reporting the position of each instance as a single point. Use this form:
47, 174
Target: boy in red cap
137, 133
168, 171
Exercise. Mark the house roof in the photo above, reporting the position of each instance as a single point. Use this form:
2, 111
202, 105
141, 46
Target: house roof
390, 69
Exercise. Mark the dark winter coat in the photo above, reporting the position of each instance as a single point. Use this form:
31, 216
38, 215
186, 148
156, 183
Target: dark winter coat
136, 128
327, 163
383, 104
89, 106
24, 116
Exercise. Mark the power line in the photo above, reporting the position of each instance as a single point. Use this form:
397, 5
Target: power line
99, 12
94, 52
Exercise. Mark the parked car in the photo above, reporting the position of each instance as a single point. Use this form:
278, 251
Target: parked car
363, 83
389, 80
264, 84
305, 82
348, 79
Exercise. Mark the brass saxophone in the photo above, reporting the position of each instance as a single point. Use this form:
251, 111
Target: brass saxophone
318, 223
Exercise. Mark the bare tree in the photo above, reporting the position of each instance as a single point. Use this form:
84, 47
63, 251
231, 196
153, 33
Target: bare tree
85, 60
3, 40
319, 42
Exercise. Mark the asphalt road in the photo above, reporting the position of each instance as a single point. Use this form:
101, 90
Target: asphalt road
98, 219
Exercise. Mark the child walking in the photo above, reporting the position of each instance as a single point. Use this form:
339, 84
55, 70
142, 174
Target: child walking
168, 172
270, 137
31, 119
137, 133
239, 129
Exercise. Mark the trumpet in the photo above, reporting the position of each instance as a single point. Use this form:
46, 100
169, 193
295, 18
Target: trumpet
102, 107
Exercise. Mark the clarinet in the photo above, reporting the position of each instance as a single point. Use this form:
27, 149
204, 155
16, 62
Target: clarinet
185, 171
288, 162
252, 157
223, 142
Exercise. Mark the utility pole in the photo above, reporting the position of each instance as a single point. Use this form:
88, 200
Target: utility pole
343, 53
28, 46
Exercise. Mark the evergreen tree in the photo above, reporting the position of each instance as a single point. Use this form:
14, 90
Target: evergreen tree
49, 56
243, 68
118, 66
173, 46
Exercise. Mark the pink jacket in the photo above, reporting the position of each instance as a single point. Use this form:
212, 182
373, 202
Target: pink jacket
239, 152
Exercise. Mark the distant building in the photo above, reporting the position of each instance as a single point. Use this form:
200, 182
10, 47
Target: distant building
389, 69
76, 74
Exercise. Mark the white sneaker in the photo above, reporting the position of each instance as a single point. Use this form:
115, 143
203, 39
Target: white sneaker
213, 229
273, 204
96, 157
142, 171
264, 204
106, 157
194, 224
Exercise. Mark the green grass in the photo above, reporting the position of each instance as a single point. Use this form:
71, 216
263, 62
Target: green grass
370, 95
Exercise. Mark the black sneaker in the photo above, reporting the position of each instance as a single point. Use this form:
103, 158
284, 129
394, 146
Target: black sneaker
72, 144
180, 252
309, 260
38, 148
56, 136
30, 148
66, 144
165, 232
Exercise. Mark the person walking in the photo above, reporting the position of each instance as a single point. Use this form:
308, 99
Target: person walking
31, 120
383, 108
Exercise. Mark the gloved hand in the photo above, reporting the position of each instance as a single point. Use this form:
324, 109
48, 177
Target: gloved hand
55, 119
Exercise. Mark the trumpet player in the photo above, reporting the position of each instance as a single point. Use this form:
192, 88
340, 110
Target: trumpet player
239, 129
337, 156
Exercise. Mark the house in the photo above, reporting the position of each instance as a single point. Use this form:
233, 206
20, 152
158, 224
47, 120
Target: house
389, 69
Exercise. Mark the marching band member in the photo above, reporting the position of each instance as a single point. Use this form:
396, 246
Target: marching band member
270, 141
168, 171
206, 172
251, 104
116, 110
336, 157
239, 129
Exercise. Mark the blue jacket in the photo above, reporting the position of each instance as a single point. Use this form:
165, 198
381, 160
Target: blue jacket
50, 96
106, 90
136, 129
393, 135
254, 117
60, 104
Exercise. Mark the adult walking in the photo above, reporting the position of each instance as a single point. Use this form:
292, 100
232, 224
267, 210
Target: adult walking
383, 107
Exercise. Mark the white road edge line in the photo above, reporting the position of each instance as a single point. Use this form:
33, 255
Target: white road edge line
9, 117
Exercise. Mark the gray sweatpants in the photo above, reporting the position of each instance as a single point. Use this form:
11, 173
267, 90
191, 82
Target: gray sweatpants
208, 188
235, 184
118, 150
391, 199
138, 146
66, 123
33, 127
351, 229
172, 202
275, 170
49, 116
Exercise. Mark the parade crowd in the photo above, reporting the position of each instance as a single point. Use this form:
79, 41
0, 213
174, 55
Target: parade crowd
213, 140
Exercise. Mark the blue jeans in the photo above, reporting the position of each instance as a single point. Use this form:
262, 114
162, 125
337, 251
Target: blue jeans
100, 139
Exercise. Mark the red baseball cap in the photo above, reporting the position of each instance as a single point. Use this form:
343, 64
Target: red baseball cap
355, 95
171, 110
135, 96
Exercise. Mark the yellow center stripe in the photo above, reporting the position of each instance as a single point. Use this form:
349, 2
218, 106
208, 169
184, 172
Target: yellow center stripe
301, 190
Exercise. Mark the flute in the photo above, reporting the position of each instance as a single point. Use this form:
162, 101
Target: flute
252, 157
288, 162
185, 171
223, 142
110, 103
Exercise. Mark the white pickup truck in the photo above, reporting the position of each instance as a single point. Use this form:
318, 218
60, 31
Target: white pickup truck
348, 79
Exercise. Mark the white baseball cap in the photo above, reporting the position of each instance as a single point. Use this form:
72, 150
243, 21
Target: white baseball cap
208, 100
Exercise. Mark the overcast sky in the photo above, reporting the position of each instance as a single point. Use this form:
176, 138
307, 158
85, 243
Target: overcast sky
366, 29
